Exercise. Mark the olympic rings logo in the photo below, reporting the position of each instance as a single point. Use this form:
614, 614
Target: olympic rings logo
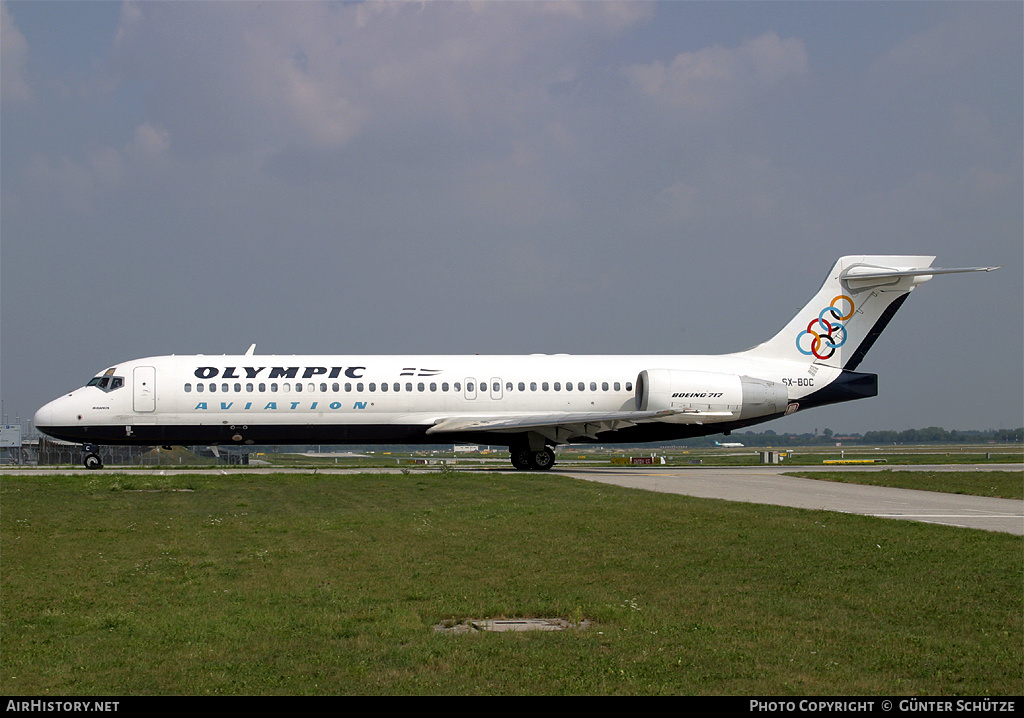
826, 333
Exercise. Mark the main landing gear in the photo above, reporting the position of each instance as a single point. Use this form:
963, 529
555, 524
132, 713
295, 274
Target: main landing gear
525, 459
91, 456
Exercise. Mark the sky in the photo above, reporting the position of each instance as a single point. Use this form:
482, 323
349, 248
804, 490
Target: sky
510, 178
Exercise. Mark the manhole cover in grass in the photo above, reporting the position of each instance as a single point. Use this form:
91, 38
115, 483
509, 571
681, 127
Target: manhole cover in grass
505, 625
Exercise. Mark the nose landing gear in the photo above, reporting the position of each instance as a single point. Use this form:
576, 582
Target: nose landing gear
91, 456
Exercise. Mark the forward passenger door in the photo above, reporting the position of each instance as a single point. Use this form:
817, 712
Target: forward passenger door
144, 388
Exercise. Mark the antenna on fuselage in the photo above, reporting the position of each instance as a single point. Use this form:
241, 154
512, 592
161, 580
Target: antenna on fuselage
249, 352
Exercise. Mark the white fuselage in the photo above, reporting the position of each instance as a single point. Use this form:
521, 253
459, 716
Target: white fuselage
261, 399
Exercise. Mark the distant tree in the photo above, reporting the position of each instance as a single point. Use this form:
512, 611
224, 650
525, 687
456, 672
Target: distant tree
928, 435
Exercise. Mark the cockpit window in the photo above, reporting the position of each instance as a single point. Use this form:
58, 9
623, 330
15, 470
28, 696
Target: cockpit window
107, 382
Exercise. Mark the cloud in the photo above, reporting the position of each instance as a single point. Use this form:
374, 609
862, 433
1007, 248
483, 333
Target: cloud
270, 76
78, 184
707, 82
150, 144
13, 58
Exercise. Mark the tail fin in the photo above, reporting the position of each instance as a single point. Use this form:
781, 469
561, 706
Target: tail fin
853, 306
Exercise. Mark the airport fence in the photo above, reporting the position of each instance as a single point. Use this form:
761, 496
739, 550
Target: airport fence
53, 453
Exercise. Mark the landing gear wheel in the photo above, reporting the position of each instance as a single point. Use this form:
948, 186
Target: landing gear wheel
92, 461
521, 458
542, 460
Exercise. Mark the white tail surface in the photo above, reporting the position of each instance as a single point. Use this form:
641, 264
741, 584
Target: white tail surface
853, 306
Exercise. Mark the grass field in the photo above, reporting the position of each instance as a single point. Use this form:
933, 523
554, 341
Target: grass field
997, 484
118, 584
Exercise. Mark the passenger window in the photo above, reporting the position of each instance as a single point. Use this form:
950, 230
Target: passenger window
533, 386
618, 387
558, 386
213, 387
433, 386
200, 387
604, 386
188, 388
544, 386
373, 386
420, 387
568, 386
629, 386
383, 386
263, 387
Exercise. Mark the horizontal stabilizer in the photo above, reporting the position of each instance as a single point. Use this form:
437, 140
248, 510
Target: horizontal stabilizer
861, 272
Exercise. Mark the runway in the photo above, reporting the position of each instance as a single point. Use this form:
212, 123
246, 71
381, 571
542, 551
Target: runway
752, 484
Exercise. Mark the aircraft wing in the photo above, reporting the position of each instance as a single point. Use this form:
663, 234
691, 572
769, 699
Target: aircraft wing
559, 426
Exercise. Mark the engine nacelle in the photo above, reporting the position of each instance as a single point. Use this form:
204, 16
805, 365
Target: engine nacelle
727, 396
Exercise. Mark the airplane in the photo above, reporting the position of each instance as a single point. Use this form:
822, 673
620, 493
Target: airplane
729, 445
532, 404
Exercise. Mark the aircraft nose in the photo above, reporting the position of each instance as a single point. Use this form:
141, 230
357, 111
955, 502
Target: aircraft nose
44, 417
61, 419
56, 413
